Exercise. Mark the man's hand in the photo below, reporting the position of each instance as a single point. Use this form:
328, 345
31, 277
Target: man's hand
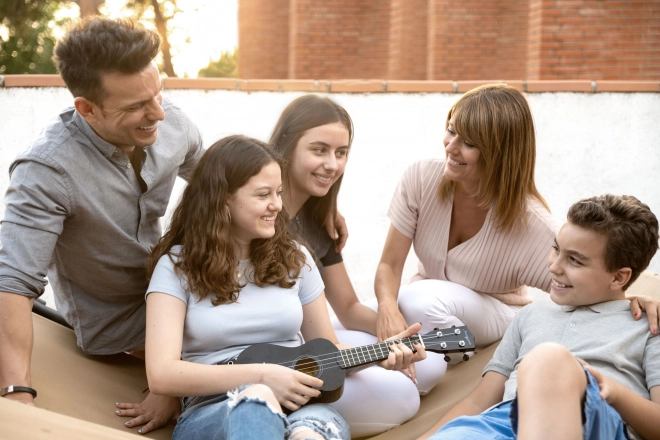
338, 231
639, 304
154, 412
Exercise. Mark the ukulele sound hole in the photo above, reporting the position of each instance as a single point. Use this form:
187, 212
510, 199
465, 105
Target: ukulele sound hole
307, 365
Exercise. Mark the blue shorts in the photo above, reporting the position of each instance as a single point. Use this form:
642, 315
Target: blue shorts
600, 421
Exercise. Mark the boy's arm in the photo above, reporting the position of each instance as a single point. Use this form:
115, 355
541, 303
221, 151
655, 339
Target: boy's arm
640, 414
488, 392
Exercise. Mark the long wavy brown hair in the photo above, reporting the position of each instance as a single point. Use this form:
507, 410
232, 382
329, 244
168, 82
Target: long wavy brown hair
497, 120
302, 114
201, 225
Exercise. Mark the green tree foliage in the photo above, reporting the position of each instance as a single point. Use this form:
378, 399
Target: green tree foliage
225, 67
28, 41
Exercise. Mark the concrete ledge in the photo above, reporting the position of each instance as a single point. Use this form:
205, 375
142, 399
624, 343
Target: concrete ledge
362, 86
420, 86
33, 81
201, 83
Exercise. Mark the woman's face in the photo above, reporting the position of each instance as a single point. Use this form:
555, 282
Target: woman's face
318, 160
255, 205
462, 164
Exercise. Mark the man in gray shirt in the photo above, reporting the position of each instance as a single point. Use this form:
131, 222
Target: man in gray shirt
85, 200
613, 391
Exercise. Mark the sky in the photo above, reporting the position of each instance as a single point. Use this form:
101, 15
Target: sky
202, 30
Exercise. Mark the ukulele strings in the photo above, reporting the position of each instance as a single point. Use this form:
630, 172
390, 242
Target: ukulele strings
329, 359
328, 363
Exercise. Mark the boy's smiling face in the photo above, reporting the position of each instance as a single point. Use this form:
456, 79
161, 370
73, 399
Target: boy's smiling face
577, 266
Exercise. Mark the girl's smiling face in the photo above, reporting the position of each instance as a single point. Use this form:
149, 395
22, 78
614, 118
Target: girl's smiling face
319, 159
255, 205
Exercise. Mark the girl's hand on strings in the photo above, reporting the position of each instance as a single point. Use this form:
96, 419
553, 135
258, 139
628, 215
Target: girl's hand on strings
401, 357
292, 388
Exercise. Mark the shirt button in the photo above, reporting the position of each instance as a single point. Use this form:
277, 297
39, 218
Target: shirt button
128, 166
572, 324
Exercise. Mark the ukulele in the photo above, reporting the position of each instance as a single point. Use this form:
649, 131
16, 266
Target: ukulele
321, 358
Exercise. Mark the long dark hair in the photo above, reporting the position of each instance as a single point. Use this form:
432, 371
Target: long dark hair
201, 226
300, 115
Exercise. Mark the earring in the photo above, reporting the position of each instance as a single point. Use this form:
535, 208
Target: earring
229, 215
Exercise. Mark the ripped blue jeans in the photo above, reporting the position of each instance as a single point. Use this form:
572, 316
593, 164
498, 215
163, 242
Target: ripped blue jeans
224, 417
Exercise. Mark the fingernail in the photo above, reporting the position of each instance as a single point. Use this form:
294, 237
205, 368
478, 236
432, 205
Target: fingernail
116, 403
127, 423
139, 431
117, 412
410, 375
655, 331
415, 381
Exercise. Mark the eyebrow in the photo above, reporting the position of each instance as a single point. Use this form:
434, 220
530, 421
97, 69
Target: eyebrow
323, 144
574, 253
133, 104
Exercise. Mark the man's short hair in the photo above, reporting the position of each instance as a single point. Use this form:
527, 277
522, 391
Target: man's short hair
100, 45
629, 225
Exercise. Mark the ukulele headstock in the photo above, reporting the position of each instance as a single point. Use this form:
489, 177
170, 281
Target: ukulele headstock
448, 340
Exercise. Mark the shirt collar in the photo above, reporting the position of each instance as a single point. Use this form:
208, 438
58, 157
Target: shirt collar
604, 307
105, 147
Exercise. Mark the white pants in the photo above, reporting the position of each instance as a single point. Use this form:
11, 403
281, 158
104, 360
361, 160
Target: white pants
374, 399
441, 304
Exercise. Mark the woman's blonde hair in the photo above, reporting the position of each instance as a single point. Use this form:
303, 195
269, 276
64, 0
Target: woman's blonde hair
496, 119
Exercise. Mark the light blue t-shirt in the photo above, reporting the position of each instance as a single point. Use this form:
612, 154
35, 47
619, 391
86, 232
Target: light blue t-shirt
270, 314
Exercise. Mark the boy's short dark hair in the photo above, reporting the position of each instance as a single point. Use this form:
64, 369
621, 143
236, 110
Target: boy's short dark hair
97, 45
629, 225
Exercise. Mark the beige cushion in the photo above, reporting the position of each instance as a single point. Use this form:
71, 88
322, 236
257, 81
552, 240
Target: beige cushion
77, 391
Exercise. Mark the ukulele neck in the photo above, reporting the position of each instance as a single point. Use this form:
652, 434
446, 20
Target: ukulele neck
356, 356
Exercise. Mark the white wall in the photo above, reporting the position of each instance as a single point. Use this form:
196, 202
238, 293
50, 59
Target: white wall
588, 144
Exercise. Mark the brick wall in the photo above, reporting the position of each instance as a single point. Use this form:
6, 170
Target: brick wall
338, 39
263, 38
408, 39
477, 39
449, 40
580, 39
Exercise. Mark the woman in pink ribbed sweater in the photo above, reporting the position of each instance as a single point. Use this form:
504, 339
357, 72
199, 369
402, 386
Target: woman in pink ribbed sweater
480, 228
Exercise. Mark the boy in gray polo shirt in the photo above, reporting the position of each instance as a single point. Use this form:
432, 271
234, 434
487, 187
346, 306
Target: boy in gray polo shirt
575, 365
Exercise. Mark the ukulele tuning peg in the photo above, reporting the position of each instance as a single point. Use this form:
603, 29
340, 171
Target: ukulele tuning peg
447, 358
466, 357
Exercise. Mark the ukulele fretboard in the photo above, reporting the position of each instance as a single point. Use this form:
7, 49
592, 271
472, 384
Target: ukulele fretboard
354, 357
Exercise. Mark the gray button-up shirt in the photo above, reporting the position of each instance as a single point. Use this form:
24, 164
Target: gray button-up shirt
75, 213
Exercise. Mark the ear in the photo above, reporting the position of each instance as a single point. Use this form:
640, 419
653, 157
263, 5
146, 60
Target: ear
87, 109
621, 278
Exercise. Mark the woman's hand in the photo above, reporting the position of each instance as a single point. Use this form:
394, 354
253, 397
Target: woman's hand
292, 388
639, 304
154, 412
389, 322
401, 357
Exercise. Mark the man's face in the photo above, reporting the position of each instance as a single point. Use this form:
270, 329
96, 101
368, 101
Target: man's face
131, 109
577, 266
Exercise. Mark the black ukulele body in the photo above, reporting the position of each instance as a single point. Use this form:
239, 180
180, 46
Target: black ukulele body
319, 358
